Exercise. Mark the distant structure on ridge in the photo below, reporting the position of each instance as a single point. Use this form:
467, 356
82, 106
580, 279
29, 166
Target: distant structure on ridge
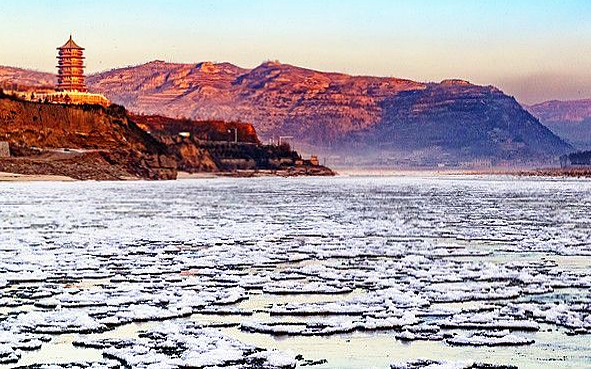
70, 67
70, 88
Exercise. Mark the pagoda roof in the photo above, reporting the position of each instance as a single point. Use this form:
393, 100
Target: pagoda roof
70, 44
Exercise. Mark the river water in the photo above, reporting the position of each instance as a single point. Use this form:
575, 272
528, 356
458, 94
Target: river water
347, 272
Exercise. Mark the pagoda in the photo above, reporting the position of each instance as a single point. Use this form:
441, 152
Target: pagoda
70, 67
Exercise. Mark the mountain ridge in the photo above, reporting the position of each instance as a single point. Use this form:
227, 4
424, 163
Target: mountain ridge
562, 110
227, 92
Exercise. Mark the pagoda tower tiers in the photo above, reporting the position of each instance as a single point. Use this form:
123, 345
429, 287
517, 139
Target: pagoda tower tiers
70, 67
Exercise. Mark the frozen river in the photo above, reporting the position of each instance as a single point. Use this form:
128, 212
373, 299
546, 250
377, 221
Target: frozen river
344, 272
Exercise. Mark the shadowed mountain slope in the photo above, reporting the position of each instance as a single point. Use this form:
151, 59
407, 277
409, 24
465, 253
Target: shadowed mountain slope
463, 119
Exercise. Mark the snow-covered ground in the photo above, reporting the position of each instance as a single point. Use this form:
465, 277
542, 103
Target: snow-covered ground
278, 273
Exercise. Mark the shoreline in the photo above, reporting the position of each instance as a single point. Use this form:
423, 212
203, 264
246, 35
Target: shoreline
17, 177
581, 172
573, 172
181, 175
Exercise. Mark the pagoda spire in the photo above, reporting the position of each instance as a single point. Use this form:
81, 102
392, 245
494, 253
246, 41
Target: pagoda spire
70, 67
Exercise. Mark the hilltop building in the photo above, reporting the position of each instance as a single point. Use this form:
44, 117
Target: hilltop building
70, 67
70, 88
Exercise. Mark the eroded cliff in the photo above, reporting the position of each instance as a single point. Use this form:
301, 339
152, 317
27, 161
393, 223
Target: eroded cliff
72, 140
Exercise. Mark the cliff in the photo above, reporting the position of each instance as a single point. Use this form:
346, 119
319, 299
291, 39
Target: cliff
86, 142
92, 142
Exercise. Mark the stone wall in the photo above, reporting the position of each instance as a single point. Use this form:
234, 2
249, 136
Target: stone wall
4, 149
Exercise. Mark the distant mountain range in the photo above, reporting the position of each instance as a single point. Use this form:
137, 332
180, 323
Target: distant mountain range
390, 120
11, 78
569, 119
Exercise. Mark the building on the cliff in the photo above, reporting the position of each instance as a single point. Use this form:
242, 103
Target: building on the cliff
76, 98
71, 86
314, 160
63, 97
70, 67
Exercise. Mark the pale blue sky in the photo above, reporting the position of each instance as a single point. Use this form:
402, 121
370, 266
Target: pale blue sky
535, 50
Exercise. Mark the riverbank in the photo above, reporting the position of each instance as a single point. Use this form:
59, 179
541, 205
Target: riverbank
71, 164
295, 171
28, 176
15, 177
41, 171
579, 172
560, 172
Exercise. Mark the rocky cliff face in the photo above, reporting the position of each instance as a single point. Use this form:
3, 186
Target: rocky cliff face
88, 136
201, 130
193, 142
571, 120
216, 146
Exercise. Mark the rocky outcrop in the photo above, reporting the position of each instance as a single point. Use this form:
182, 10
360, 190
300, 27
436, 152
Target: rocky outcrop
201, 130
193, 142
45, 136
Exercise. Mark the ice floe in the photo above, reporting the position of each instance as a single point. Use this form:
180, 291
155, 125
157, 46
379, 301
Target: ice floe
186, 345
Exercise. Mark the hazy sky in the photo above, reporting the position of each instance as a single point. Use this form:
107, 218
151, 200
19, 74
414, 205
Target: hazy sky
535, 50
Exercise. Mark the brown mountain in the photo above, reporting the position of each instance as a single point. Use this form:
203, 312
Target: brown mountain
279, 99
13, 78
334, 111
570, 119
562, 111
339, 111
